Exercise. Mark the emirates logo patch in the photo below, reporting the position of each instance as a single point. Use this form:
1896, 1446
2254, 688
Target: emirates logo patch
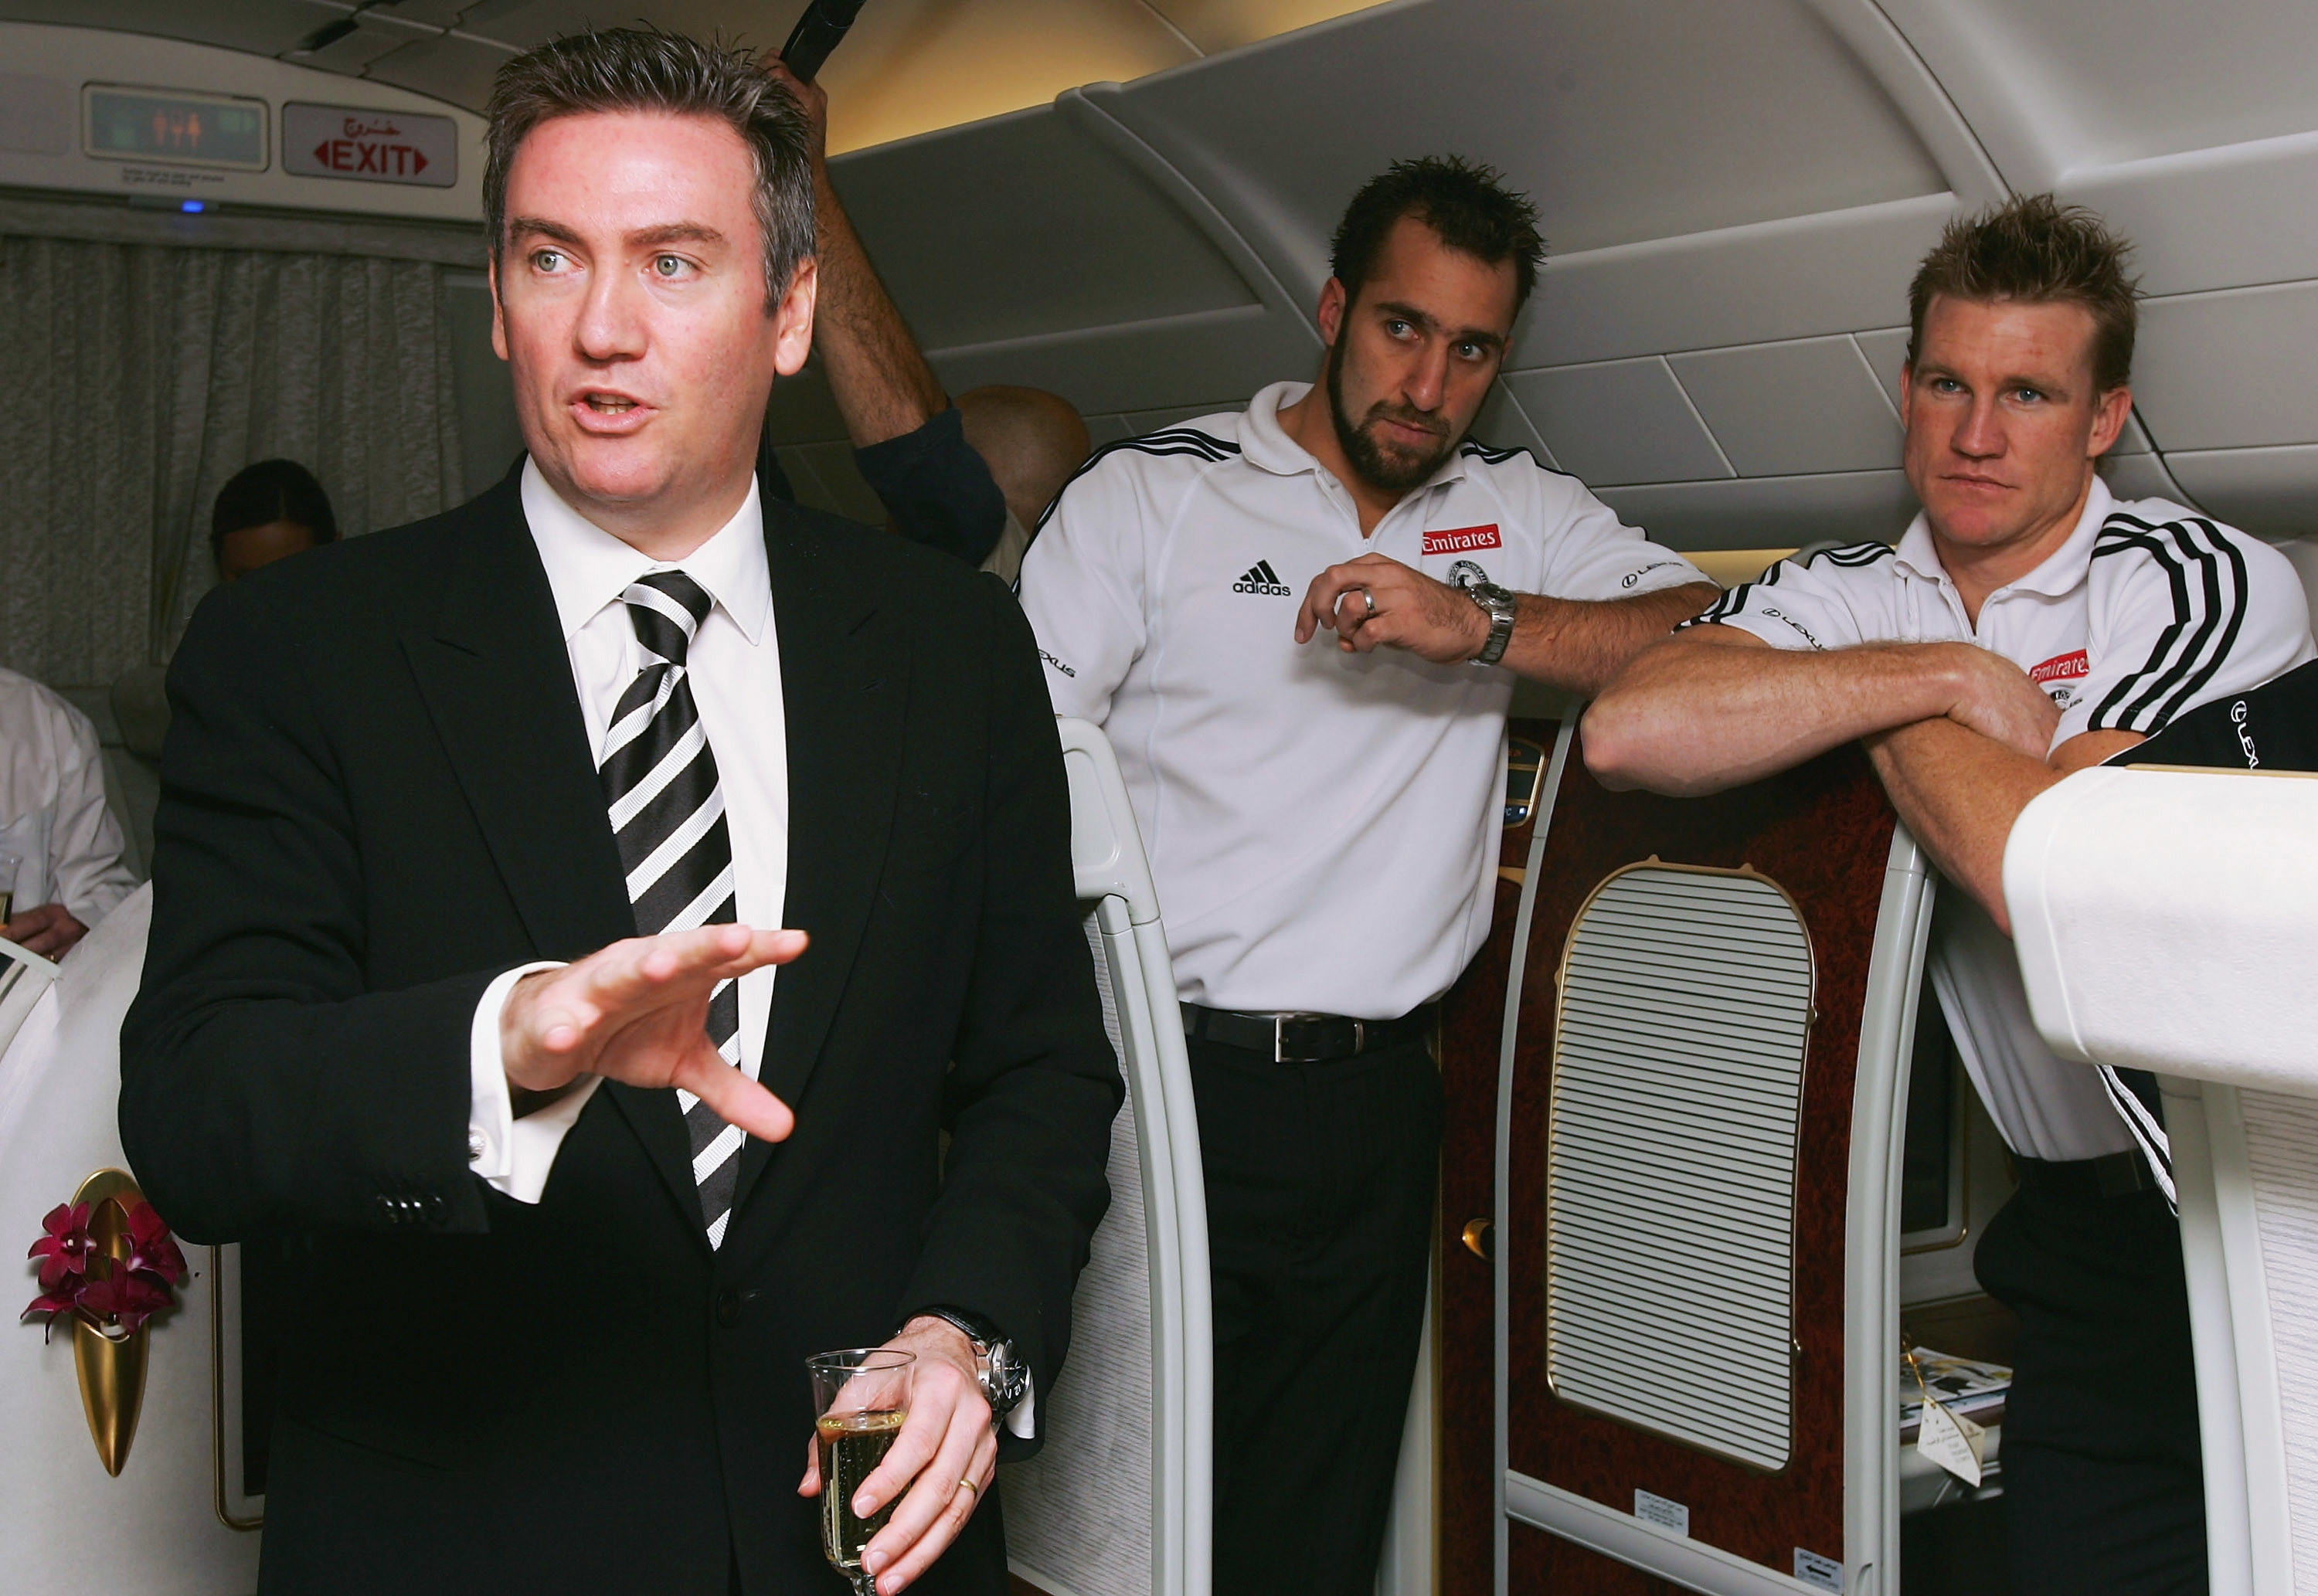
1463, 540
2062, 667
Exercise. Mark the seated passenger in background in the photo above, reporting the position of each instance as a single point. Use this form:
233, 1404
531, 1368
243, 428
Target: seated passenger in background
1322, 813
959, 477
1033, 441
2027, 626
60, 847
267, 512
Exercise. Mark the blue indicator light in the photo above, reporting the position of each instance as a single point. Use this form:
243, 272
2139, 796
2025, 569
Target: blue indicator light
193, 207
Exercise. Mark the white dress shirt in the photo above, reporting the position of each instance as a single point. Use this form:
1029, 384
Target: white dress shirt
734, 666
54, 824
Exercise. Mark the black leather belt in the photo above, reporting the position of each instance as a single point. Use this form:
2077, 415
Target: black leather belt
2112, 1175
1306, 1038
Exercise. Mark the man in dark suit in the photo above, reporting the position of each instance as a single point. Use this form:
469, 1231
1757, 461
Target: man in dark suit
466, 834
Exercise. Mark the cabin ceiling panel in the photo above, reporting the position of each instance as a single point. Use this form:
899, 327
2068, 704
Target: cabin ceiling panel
446, 66
2230, 370
1626, 421
267, 27
370, 37
1792, 279
2059, 85
975, 254
1639, 121
2272, 493
2246, 213
1782, 410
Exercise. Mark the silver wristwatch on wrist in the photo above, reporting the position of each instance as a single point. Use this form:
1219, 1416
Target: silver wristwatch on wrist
1003, 1379
1501, 606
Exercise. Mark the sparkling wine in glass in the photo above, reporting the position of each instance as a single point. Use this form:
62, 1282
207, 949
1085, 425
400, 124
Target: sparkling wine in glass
861, 1398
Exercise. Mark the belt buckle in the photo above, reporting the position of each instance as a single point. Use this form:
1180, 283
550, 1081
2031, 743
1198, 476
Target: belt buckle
1280, 1022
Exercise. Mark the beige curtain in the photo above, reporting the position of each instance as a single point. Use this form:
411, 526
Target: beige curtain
144, 376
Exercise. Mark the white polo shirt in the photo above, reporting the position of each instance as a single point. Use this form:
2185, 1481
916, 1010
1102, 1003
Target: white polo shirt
2147, 610
1322, 826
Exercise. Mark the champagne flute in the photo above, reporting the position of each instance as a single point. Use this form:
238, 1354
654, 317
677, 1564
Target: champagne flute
861, 1398
10, 866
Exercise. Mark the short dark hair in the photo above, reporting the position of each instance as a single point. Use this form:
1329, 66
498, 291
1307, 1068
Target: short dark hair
1465, 203
2035, 250
622, 69
271, 490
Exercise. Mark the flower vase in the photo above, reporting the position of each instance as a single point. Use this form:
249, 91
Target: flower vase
112, 1367
112, 1388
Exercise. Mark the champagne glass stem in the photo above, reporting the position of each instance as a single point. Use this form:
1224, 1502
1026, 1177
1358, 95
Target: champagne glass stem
865, 1584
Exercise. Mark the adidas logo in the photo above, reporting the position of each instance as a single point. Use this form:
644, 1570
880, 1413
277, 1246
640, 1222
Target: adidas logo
1260, 578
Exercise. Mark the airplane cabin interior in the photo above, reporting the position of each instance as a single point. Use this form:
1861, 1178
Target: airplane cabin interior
1713, 1170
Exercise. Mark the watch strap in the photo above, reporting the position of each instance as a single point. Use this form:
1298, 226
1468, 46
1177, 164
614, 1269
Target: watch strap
1003, 1380
1503, 609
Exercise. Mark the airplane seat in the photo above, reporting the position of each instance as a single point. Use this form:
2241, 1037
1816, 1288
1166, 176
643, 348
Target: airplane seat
59, 1085
2304, 552
1700, 1122
1115, 1502
2195, 965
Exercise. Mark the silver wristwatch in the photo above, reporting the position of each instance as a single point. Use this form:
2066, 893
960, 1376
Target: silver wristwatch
1004, 1380
1502, 606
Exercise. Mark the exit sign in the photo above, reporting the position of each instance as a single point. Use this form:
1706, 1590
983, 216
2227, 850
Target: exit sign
369, 145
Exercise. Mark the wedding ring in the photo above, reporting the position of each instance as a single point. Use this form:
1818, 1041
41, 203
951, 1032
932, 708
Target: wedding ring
970, 1485
1371, 598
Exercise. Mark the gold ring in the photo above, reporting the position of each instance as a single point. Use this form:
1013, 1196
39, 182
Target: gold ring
970, 1485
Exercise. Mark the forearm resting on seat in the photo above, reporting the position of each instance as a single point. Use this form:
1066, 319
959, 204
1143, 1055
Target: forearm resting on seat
1714, 706
1959, 793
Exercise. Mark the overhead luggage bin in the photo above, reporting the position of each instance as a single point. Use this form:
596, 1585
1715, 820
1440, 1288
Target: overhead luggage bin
1118, 1501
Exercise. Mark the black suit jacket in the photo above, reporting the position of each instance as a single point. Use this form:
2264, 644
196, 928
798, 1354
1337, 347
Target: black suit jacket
377, 794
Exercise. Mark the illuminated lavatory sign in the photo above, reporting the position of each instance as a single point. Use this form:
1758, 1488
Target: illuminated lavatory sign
370, 145
183, 129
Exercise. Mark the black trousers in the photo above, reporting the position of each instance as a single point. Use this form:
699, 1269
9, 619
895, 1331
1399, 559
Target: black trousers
1321, 1181
2104, 1484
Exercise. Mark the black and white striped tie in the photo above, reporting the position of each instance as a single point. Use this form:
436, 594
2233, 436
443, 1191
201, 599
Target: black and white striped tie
668, 814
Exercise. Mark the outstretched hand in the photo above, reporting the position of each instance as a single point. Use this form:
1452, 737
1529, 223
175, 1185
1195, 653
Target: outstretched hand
637, 1011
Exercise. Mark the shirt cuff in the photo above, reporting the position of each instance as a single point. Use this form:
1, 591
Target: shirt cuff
1023, 1422
513, 1155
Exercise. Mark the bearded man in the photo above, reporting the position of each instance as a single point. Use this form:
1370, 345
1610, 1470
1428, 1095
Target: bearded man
1320, 812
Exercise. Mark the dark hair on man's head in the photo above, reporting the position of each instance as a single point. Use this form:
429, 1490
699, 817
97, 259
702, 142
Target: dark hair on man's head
2034, 250
269, 491
1465, 203
626, 69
